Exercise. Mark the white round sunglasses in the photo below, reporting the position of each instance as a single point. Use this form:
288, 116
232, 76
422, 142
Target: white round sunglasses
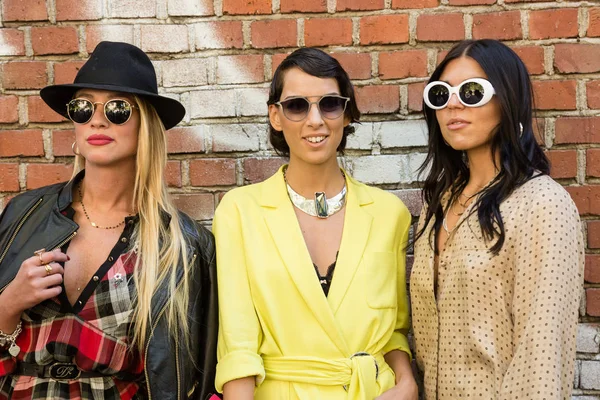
474, 92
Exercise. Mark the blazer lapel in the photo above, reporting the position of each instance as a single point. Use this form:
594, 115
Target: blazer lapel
357, 227
285, 231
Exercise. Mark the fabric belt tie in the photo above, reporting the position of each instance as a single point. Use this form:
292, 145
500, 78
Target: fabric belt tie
357, 374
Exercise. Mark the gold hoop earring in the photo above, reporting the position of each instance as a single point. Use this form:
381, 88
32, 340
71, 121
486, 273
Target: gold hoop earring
73, 149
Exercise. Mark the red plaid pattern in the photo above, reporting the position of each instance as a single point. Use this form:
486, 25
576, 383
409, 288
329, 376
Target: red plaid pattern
93, 335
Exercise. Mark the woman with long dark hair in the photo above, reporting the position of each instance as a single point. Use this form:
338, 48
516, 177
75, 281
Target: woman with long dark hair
311, 271
499, 253
106, 290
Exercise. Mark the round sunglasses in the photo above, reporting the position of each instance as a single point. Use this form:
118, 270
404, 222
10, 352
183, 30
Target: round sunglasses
117, 111
474, 92
329, 106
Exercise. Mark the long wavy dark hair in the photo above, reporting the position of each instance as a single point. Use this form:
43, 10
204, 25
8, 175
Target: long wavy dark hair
520, 156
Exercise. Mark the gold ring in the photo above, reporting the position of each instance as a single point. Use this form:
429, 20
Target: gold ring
48, 269
40, 253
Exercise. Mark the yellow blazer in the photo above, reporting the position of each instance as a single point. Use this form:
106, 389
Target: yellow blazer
275, 321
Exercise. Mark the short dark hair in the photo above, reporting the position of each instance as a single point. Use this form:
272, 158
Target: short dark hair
317, 63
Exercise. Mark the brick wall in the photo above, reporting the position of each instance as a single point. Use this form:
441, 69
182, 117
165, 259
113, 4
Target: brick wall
217, 56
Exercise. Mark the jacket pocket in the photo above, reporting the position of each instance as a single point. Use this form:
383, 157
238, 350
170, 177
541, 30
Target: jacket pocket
380, 279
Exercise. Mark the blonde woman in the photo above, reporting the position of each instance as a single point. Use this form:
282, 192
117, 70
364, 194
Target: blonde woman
106, 290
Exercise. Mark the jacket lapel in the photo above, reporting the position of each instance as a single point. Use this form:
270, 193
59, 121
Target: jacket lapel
285, 231
357, 227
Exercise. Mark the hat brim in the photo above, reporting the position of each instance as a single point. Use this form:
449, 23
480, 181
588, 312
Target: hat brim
170, 111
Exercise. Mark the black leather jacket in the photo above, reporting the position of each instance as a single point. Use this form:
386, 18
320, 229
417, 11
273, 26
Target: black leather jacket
33, 220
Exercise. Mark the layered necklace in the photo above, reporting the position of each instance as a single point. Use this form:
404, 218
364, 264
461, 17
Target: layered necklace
95, 225
464, 205
320, 206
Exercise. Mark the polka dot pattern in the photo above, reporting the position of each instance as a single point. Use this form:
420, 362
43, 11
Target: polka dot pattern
504, 326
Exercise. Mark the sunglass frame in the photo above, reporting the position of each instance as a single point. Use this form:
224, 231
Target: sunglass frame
310, 103
93, 103
488, 93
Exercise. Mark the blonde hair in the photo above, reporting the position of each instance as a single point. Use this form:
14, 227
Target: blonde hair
160, 247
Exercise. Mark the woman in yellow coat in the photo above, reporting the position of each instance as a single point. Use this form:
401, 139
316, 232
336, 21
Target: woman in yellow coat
311, 263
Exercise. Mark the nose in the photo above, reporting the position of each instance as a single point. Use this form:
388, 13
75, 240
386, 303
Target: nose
314, 117
98, 118
454, 102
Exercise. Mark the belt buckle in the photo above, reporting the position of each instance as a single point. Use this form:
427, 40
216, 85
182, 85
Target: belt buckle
363, 354
64, 371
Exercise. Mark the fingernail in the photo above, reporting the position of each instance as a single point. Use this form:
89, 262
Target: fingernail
68, 258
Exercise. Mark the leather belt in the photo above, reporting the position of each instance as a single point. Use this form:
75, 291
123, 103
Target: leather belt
58, 371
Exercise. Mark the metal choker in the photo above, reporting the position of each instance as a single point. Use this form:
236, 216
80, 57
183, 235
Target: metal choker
321, 206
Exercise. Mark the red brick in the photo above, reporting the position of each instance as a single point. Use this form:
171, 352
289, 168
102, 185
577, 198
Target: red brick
378, 99
276, 59
185, 140
384, 29
440, 27
274, 33
253, 69
403, 64
593, 234
586, 198
577, 58
65, 72
304, 6
173, 173
539, 127
469, 2
40, 112
54, 40
258, 169
555, 95
559, 23
212, 172
83, 10
229, 35
593, 163
234, 7
357, 65
523, 1
594, 22
563, 163
24, 75
593, 94
592, 268
577, 130
9, 177
39, 175
21, 143
415, 3
415, 96
360, 5
62, 140
115, 33
13, 42
533, 58
327, 31
592, 302
199, 206
24, 10
9, 109
499, 25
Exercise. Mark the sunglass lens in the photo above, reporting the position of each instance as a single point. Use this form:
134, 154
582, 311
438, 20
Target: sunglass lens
80, 111
471, 93
295, 109
332, 106
117, 111
438, 95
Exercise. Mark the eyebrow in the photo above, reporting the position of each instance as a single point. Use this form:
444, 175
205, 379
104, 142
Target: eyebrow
316, 95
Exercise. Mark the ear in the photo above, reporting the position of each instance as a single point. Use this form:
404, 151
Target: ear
275, 117
346, 120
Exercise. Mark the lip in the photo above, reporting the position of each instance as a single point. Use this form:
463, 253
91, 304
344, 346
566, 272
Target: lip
457, 123
321, 143
99, 140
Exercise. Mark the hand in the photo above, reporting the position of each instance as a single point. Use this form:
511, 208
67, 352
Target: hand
405, 389
33, 283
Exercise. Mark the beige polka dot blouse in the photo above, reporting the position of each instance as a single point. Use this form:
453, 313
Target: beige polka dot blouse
502, 327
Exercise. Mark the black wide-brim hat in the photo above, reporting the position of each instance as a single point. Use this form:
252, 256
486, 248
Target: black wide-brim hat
118, 67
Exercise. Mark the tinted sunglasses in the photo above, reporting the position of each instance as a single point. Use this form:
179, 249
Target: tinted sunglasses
117, 111
474, 92
330, 107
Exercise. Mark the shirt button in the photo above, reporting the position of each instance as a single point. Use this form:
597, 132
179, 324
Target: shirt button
124, 240
96, 279
110, 258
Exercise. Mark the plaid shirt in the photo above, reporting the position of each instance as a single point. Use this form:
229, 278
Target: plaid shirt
92, 333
